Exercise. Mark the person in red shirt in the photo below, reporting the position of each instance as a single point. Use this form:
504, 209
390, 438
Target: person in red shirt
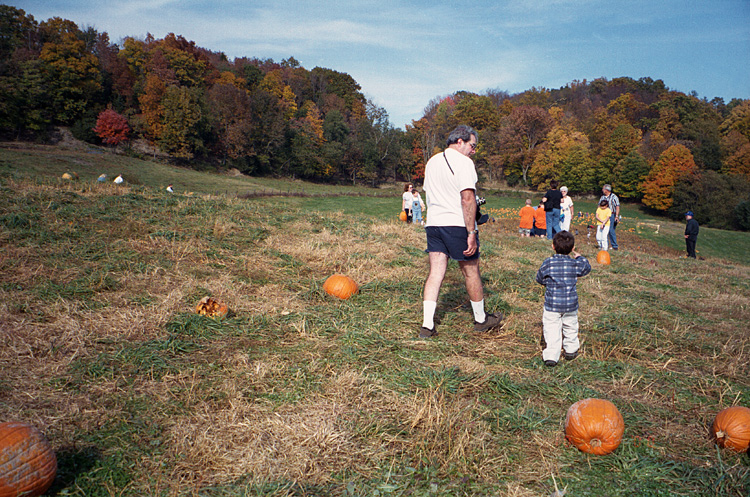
540, 221
527, 219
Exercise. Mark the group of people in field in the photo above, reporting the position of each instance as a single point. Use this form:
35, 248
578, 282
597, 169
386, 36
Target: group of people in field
555, 213
452, 234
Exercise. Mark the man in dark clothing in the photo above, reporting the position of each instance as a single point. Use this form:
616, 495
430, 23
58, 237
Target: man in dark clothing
691, 234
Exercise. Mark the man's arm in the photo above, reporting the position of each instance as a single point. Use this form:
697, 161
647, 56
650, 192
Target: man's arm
469, 208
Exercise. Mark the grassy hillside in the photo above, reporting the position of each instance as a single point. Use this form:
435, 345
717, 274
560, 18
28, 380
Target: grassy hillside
297, 393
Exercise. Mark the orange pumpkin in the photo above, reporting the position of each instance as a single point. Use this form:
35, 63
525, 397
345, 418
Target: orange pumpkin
595, 426
211, 307
603, 257
340, 286
403, 216
731, 428
27, 462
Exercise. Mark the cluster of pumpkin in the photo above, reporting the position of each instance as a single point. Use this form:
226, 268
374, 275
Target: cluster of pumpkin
595, 426
28, 464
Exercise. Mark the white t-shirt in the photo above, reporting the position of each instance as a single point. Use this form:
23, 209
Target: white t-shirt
406, 200
443, 187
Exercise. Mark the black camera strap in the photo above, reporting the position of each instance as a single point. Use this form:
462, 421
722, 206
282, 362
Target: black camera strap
449, 164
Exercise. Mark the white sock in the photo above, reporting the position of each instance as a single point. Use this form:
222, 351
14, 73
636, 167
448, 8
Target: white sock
428, 308
478, 308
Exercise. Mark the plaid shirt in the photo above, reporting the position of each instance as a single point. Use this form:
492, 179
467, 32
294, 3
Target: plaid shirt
559, 274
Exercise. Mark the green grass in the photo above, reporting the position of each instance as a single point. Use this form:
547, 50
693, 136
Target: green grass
298, 393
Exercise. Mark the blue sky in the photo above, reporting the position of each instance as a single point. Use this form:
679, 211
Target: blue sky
405, 53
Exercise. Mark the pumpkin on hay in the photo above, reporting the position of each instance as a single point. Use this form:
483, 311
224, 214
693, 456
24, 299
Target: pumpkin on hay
211, 307
27, 462
340, 286
594, 426
731, 428
403, 216
603, 257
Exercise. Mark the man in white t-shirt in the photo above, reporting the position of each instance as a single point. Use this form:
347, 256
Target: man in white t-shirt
450, 184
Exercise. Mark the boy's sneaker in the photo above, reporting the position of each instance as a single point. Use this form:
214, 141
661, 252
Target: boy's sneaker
490, 321
426, 332
550, 363
570, 356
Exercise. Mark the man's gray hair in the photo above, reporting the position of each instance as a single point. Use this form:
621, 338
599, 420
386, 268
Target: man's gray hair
607, 187
462, 132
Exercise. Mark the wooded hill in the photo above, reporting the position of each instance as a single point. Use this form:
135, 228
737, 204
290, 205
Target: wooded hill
667, 149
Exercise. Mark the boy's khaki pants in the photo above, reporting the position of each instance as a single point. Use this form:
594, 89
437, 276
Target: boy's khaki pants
560, 333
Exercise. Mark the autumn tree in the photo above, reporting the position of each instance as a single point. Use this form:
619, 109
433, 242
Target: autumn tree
521, 132
112, 127
673, 165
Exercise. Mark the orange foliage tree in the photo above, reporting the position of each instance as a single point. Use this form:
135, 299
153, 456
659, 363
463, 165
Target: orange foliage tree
674, 164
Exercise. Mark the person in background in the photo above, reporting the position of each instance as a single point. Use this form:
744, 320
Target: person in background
526, 213
540, 221
614, 205
566, 209
559, 274
417, 206
691, 234
552, 207
603, 218
450, 184
406, 200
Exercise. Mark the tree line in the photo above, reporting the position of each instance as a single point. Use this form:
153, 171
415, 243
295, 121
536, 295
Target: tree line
669, 150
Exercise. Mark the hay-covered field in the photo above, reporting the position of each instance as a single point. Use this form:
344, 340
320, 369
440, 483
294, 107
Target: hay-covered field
297, 393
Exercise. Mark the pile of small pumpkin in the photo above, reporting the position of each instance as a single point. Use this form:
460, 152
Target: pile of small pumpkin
595, 426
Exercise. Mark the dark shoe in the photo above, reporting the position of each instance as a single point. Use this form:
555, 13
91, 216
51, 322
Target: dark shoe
490, 321
570, 356
550, 363
426, 332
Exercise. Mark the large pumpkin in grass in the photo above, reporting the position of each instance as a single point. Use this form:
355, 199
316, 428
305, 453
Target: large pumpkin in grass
27, 462
595, 426
340, 286
603, 257
731, 428
403, 216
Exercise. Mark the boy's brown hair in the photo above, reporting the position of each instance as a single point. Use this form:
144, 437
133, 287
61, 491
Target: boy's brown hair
563, 242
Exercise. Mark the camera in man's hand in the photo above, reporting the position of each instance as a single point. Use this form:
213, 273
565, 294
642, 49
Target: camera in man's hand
481, 218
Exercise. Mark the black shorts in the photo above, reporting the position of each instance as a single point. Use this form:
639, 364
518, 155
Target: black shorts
450, 240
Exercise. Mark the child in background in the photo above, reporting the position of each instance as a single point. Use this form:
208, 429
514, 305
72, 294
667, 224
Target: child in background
527, 219
603, 215
417, 206
540, 221
559, 274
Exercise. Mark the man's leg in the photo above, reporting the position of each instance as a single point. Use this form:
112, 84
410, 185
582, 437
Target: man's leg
612, 235
438, 266
550, 225
473, 278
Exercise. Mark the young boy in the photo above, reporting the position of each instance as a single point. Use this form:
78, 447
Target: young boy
527, 219
559, 274
540, 221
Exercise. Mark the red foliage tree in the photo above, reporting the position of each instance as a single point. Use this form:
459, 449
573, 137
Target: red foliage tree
112, 127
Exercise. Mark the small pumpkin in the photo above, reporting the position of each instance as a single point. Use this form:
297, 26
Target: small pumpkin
731, 428
340, 286
594, 426
403, 216
27, 462
211, 307
603, 257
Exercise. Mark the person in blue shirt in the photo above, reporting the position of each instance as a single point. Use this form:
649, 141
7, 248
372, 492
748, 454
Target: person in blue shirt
559, 274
